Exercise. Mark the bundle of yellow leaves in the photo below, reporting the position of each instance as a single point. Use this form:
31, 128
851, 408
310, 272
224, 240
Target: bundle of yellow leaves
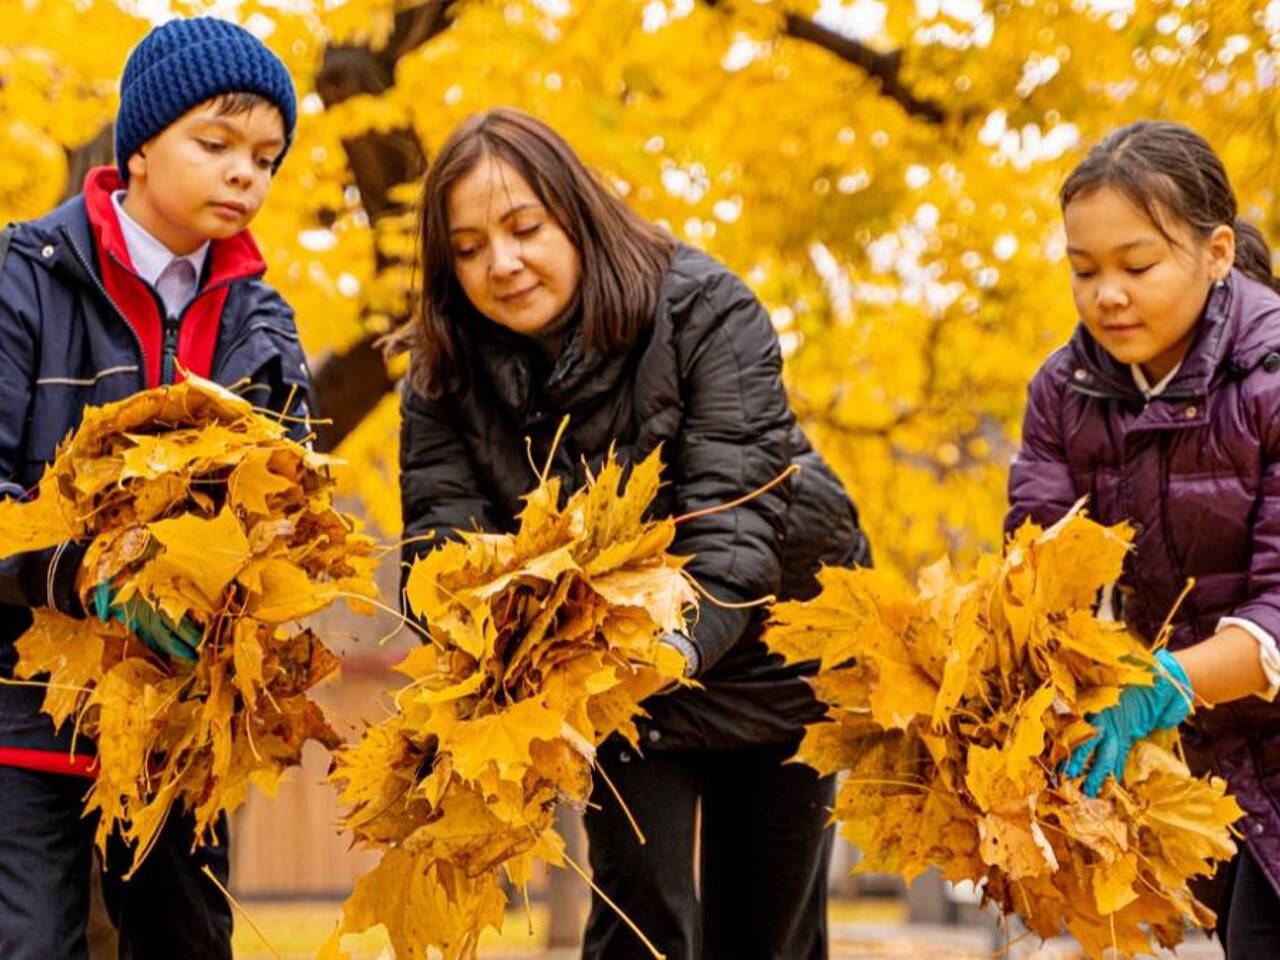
542, 643
950, 712
203, 508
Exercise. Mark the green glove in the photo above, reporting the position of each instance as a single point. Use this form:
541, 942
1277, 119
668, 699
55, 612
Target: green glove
1141, 710
148, 624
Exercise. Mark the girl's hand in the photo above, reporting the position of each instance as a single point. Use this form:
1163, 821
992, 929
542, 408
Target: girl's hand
1140, 711
1225, 667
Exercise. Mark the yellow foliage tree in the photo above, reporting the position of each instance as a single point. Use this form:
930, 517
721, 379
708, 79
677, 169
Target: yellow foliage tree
883, 174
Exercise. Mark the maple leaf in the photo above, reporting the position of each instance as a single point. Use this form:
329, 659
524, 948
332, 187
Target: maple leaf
502, 738
207, 554
950, 709
43, 522
202, 508
420, 902
70, 650
252, 482
543, 643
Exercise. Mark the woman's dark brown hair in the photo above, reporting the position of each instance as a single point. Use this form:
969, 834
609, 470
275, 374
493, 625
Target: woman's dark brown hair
1168, 170
624, 257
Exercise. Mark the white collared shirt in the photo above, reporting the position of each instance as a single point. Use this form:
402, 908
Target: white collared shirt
175, 278
1149, 391
1268, 650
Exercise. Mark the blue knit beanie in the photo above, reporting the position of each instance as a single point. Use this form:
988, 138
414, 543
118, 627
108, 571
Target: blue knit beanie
182, 64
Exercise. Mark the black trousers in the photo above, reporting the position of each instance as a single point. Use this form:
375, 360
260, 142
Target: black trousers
169, 910
761, 891
1249, 926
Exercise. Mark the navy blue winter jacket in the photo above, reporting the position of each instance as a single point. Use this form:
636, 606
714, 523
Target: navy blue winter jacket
63, 345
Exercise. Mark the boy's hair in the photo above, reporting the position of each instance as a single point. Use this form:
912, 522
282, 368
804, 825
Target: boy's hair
1168, 170
184, 63
234, 104
624, 257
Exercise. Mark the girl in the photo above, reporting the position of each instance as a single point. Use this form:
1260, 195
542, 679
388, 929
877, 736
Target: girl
1165, 410
544, 295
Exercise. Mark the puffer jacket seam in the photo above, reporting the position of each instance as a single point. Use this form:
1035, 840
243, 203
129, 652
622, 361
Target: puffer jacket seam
742, 410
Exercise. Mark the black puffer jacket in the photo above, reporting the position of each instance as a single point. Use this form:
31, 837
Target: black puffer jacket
705, 383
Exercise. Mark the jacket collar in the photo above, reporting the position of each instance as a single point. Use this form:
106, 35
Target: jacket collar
512, 368
235, 258
147, 255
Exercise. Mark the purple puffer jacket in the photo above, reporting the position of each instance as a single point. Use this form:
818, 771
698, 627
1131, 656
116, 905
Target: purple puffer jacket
1196, 470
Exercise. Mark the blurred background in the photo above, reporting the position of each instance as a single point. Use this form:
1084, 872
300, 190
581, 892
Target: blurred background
884, 174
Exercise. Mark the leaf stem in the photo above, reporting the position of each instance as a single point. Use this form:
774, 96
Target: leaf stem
767, 599
243, 912
616, 909
758, 491
622, 803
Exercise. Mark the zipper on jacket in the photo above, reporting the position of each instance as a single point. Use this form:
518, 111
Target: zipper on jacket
1129, 398
169, 353
97, 285
177, 321
1165, 463
169, 348
169, 326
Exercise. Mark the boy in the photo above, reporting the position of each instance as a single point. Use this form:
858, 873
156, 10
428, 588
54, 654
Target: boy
148, 272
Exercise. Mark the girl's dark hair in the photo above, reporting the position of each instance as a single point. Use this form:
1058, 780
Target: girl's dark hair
624, 257
1168, 170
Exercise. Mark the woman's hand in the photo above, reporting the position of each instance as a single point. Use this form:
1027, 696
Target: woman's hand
1141, 710
687, 650
676, 648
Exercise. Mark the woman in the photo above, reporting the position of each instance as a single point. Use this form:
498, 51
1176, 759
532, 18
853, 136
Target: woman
544, 295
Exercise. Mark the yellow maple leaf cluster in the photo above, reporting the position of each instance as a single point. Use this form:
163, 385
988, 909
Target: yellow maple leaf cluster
202, 507
952, 707
543, 642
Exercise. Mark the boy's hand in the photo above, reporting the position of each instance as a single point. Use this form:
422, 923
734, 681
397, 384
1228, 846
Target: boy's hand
148, 624
1141, 710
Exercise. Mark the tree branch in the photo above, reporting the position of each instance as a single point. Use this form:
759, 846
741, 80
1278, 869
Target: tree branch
347, 387
82, 159
885, 67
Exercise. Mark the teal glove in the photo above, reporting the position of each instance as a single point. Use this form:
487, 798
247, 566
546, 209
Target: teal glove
148, 624
1161, 706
